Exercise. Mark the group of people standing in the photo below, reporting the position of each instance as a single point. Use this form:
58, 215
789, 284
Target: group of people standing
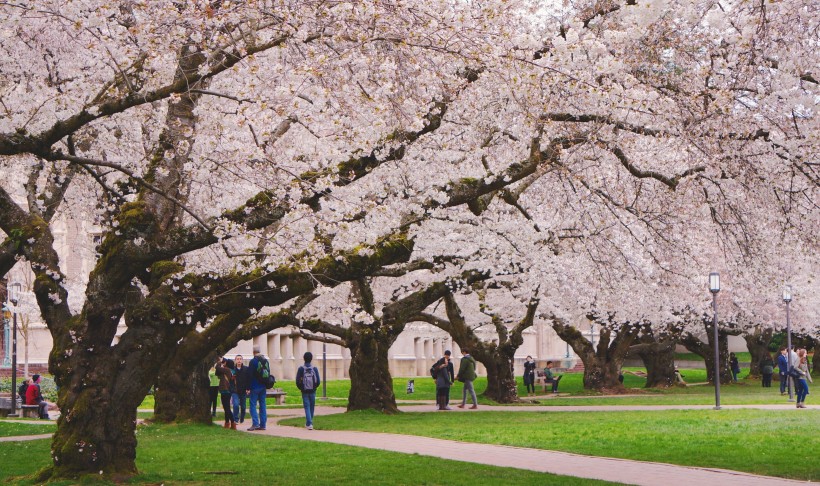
445, 376
234, 383
792, 365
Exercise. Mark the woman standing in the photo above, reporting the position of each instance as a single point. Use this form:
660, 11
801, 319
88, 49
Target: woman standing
226, 387
735, 366
529, 375
801, 384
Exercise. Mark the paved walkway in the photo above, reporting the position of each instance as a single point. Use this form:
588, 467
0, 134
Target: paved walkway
563, 463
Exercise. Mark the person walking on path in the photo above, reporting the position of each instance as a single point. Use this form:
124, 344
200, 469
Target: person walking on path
242, 375
450, 371
34, 396
767, 370
444, 379
782, 368
257, 392
735, 366
529, 376
227, 387
213, 391
466, 375
308, 380
801, 383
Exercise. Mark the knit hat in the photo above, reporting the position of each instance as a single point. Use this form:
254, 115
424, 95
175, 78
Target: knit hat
35, 378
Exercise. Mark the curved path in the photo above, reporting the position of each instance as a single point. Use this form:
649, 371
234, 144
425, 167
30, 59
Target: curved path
610, 469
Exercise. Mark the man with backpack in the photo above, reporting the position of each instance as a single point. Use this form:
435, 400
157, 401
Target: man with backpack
260, 367
307, 380
444, 365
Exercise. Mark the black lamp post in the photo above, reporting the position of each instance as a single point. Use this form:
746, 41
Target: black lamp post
14, 296
714, 287
787, 298
324, 368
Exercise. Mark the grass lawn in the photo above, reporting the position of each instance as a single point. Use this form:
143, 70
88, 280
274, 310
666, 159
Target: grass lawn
191, 454
775, 443
11, 428
571, 392
742, 357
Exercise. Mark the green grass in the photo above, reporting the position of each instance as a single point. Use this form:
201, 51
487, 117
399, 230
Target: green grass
776, 443
742, 357
191, 454
12, 428
571, 392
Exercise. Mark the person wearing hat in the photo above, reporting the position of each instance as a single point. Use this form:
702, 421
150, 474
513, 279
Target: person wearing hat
35, 397
257, 392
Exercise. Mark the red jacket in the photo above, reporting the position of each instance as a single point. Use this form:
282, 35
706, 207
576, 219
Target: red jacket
33, 396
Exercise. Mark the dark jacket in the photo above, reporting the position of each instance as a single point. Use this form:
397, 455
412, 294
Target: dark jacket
450, 369
782, 364
466, 369
243, 378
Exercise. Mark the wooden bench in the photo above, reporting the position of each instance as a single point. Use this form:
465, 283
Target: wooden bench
541, 380
277, 394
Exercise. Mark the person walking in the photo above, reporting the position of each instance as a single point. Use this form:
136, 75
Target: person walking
529, 376
733, 363
242, 376
767, 370
444, 379
802, 377
259, 418
466, 375
227, 387
308, 380
782, 368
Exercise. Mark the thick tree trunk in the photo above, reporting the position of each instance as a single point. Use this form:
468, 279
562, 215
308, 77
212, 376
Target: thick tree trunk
602, 364
371, 385
96, 429
659, 360
706, 351
815, 370
501, 384
181, 395
758, 344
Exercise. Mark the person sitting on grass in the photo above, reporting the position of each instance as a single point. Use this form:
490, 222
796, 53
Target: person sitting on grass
679, 377
550, 377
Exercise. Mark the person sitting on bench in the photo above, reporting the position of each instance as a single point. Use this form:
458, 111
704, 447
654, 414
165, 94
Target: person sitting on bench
549, 377
35, 397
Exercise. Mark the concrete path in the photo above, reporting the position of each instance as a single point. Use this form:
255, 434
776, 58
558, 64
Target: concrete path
617, 470
20, 438
563, 463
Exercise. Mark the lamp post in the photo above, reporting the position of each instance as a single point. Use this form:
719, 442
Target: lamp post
714, 287
592, 334
324, 368
787, 298
14, 296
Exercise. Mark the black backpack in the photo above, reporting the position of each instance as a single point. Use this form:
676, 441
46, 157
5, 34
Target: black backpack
434, 371
21, 391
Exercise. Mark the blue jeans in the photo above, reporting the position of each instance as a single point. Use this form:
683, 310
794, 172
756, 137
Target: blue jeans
238, 402
259, 419
309, 402
802, 388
